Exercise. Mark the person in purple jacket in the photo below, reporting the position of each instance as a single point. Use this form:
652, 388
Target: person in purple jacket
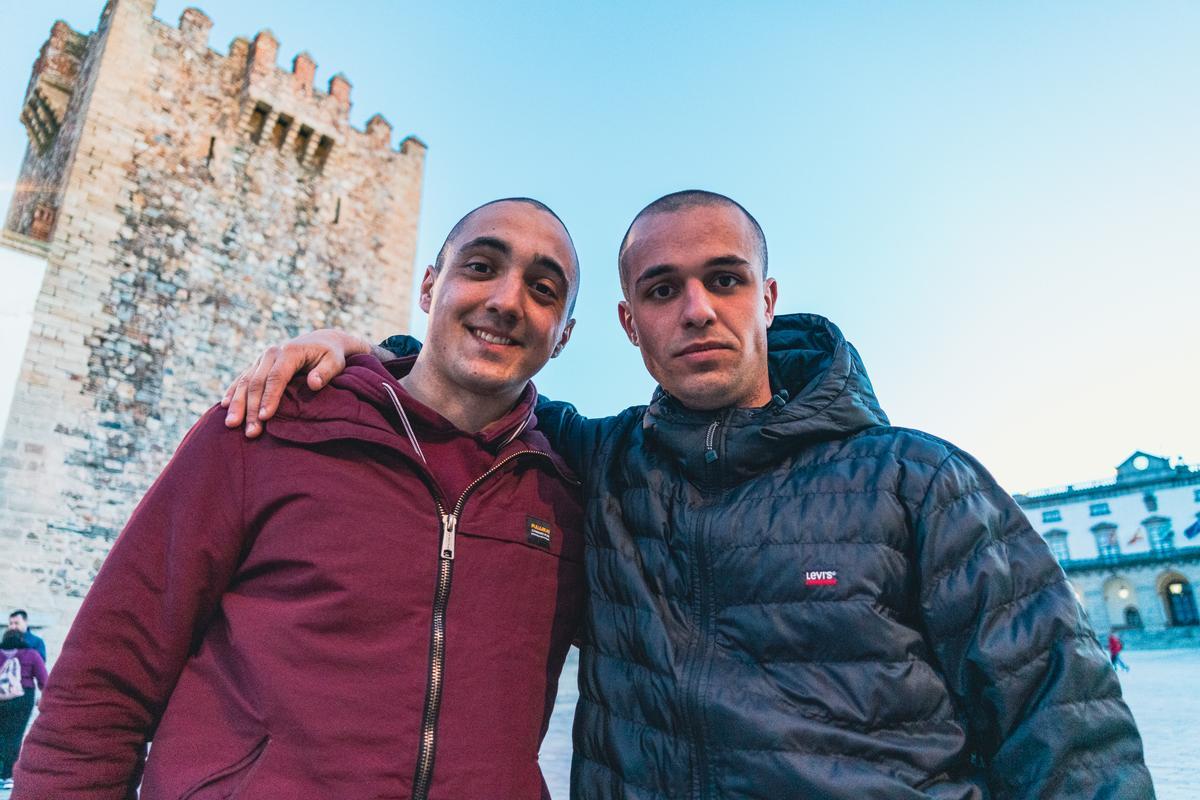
372, 600
15, 713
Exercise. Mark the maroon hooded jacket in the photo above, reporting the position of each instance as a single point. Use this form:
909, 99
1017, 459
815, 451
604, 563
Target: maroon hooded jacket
304, 616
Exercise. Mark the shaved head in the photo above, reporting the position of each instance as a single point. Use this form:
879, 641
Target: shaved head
456, 231
682, 201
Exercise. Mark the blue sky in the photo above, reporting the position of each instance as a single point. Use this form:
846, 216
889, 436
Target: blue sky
997, 202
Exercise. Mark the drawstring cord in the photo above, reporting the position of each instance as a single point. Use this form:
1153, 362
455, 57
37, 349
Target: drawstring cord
412, 437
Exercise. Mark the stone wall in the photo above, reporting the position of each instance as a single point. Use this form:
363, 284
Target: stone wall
202, 204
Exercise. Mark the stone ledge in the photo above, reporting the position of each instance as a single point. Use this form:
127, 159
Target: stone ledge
24, 244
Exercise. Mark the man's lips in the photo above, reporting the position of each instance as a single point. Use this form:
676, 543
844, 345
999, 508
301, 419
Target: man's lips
702, 347
493, 337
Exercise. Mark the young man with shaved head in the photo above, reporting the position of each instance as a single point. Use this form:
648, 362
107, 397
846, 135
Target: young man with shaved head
788, 596
372, 600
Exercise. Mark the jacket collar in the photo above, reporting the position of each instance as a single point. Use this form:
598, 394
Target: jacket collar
357, 405
822, 392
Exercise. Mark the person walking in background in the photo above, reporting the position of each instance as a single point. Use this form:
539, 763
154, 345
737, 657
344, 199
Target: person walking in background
1115, 646
22, 668
19, 621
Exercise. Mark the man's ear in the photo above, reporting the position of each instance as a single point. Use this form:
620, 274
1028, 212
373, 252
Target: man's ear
770, 295
562, 340
625, 315
427, 282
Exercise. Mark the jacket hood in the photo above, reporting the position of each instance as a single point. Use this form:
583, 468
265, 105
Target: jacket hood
821, 392
366, 402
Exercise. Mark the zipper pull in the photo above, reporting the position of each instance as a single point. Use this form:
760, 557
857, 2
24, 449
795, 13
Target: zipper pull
710, 451
449, 525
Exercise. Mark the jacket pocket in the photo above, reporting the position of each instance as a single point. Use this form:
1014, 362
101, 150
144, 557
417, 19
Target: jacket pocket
228, 782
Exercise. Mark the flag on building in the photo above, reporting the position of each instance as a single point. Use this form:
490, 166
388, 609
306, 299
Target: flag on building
1193, 530
1138, 535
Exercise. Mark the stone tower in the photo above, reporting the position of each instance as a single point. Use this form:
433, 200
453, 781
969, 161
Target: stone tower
189, 207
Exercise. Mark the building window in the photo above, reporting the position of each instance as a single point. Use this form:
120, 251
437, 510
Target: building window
1151, 502
1052, 516
1162, 538
1181, 603
1133, 617
1196, 495
1099, 509
1107, 543
1058, 545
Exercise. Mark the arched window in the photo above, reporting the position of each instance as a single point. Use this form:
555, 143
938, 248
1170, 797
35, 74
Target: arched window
1119, 598
1133, 617
1179, 600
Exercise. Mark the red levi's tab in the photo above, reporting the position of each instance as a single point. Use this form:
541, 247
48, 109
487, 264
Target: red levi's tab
821, 577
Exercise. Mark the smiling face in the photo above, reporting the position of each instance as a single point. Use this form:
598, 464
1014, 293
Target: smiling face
697, 305
498, 302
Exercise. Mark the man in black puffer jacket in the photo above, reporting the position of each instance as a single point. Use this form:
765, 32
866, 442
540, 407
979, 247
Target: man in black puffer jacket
790, 598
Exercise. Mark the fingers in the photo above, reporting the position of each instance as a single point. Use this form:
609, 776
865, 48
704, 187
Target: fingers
235, 399
290, 360
332, 363
255, 387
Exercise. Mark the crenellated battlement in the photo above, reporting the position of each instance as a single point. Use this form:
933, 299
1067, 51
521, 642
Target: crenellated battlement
189, 204
284, 107
52, 83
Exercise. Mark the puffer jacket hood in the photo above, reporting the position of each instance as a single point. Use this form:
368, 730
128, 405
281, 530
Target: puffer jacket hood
821, 392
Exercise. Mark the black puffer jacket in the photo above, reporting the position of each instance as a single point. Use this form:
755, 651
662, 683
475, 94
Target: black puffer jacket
805, 602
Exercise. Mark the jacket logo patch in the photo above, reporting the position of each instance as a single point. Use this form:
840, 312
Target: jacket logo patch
538, 533
821, 577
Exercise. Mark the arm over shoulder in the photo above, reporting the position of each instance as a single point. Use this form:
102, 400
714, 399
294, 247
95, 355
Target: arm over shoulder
573, 436
1043, 705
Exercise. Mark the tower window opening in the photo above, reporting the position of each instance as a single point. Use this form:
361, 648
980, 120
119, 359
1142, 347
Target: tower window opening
279, 134
212, 151
324, 146
303, 137
337, 211
258, 120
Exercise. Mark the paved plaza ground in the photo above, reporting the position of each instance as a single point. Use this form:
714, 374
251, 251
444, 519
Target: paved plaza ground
1162, 687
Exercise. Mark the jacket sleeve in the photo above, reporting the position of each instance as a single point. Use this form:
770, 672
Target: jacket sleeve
39, 671
1042, 703
142, 618
573, 436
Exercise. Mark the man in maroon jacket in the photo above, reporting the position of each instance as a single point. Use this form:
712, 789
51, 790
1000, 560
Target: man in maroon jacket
372, 600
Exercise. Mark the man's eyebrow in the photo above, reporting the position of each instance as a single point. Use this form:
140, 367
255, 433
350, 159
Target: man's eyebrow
657, 271
548, 263
727, 261
489, 242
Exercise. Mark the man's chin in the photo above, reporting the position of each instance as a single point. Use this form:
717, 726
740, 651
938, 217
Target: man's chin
701, 395
486, 381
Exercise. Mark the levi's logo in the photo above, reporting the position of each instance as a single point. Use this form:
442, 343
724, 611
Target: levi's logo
821, 577
538, 532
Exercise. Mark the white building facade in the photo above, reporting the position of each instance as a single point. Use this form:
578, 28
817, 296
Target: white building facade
1130, 547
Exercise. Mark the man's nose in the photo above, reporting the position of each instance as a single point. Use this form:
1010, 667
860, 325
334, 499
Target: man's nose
507, 295
697, 305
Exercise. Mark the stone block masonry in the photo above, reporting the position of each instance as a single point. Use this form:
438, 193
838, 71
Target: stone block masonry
191, 206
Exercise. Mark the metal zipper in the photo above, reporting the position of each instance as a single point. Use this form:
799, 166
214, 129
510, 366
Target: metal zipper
710, 452
704, 613
437, 648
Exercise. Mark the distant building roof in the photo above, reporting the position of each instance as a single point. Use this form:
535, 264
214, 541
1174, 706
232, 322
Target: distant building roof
1139, 471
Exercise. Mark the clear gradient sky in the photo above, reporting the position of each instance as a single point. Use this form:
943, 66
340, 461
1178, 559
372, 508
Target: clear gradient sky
998, 203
